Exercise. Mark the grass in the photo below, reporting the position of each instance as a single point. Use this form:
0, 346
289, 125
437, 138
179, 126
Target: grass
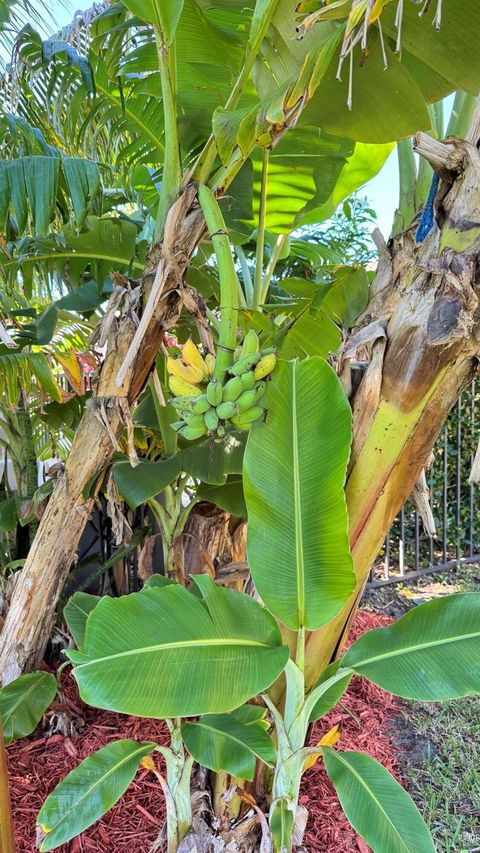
446, 786
441, 742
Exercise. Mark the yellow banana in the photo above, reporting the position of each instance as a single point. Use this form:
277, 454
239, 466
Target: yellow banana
178, 367
192, 357
181, 388
265, 366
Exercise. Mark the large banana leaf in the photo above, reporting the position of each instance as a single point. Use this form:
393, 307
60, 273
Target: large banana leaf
387, 103
309, 173
90, 790
24, 701
230, 742
166, 653
431, 654
146, 480
294, 471
76, 613
376, 805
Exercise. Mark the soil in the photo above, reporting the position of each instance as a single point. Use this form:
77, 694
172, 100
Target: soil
39, 762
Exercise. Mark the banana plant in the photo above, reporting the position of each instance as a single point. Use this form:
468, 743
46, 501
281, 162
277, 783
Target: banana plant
168, 652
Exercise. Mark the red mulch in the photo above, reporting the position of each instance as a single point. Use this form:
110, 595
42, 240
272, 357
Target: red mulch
37, 764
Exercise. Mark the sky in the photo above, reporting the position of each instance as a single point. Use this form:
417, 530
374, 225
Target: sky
382, 193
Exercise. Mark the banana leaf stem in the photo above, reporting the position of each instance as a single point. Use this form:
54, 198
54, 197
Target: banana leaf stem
172, 167
270, 269
169, 436
300, 655
203, 166
461, 115
229, 283
408, 184
247, 278
258, 280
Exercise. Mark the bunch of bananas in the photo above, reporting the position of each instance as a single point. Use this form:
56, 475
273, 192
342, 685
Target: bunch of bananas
208, 407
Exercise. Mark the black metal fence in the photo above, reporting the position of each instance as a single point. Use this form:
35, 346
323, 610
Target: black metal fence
408, 551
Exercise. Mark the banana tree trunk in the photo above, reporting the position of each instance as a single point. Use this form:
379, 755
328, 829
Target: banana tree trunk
419, 339
131, 352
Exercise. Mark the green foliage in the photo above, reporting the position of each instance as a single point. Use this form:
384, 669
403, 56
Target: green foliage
137, 485
431, 654
376, 805
165, 652
76, 613
89, 791
104, 117
23, 703
294, 470
231, 742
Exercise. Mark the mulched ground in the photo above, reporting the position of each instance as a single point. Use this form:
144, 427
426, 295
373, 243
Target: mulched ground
36, 765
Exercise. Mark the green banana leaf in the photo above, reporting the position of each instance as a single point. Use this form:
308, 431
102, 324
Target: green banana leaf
431, 654
228, 497
226, 742
90, 790
378, 808
24, 701
329, 699
212, 461
9, 514
166, 653
146, 480
294, 471
76, 613
309, 173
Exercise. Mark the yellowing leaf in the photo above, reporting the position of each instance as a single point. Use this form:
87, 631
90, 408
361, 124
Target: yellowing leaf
148, 763
329, 739
377, 10
73, 371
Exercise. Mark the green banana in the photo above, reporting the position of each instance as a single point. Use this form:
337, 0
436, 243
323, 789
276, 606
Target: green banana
211, 420
248, 380
214, 392
246, 400
220, 430
248, 362
177, 425
182, 403
247, 418
194, 420
226, 410
200, 405
232, 389
250, 343
237, 353
259, 390
191, 433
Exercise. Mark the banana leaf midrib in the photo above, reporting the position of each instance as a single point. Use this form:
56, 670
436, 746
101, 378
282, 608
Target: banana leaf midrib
22, 698
230, 737
96, 784
414, 648
362, 781
216, 641
298, 505
69, 255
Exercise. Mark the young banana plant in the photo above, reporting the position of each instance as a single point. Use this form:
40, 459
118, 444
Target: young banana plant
174, 653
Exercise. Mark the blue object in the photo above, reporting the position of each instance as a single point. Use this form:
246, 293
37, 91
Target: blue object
426, 222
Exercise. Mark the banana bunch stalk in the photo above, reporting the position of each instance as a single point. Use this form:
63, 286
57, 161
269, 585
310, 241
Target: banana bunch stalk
208, 406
